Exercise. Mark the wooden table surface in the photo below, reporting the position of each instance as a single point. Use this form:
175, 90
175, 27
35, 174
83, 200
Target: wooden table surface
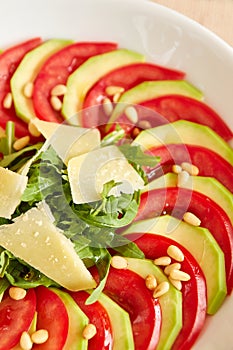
216, 15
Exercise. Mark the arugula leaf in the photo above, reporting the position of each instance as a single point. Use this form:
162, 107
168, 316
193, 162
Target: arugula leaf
113, 137
18, 273
115, 212
90, 227
127, 248
135, 155
102, 260
14, 160
4, 284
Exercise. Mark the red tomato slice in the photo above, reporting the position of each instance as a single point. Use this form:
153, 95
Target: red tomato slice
125, 77
208, 162
97, 316
15, 318
193, 292
175, 107
53, 317
9, 61
56, 71
128, 290
176, 201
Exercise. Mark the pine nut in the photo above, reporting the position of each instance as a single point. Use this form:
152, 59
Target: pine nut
59, 90
163, 261
17, 293
119, 262
175, 253
40, 336
107, 106
176, 283
151, 282
28, 89
179, 275
89, 331
56, 103
112, 90
176, 169
144, 124
161, 289
25, 341
190, 168
169, 268
191, 219
21, 143
33, 129
8, 100
132, 114
182, 178
116, 97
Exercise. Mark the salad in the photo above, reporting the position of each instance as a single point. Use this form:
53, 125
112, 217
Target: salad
112, 170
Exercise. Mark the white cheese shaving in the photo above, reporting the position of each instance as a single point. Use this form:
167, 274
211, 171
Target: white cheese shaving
12, 186
67, 140
89, 172
35, 239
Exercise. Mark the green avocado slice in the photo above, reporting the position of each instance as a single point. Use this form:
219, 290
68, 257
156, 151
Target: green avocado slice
27, 71
185, 132
170, 302
208, 186
120, 322
85, 76
77, 322
149, 90
202, 246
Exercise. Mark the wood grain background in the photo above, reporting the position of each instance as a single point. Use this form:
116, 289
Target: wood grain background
216, 15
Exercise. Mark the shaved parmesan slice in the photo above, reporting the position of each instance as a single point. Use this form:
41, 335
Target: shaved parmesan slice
89, 172
35, 239
12, 186
67, 140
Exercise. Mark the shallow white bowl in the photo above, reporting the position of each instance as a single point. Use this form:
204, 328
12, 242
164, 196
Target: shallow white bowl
166, 38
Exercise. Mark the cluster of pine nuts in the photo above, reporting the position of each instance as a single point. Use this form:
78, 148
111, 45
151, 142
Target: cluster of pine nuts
58, 91
173, 270
112, 92
189, 168
184, 171
38, 337
158, 289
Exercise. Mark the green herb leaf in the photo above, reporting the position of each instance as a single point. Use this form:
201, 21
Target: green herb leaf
135, 155
102, 261
113, 137
14, 160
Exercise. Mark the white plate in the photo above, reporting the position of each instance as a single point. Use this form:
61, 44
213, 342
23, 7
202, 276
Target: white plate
165, 37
